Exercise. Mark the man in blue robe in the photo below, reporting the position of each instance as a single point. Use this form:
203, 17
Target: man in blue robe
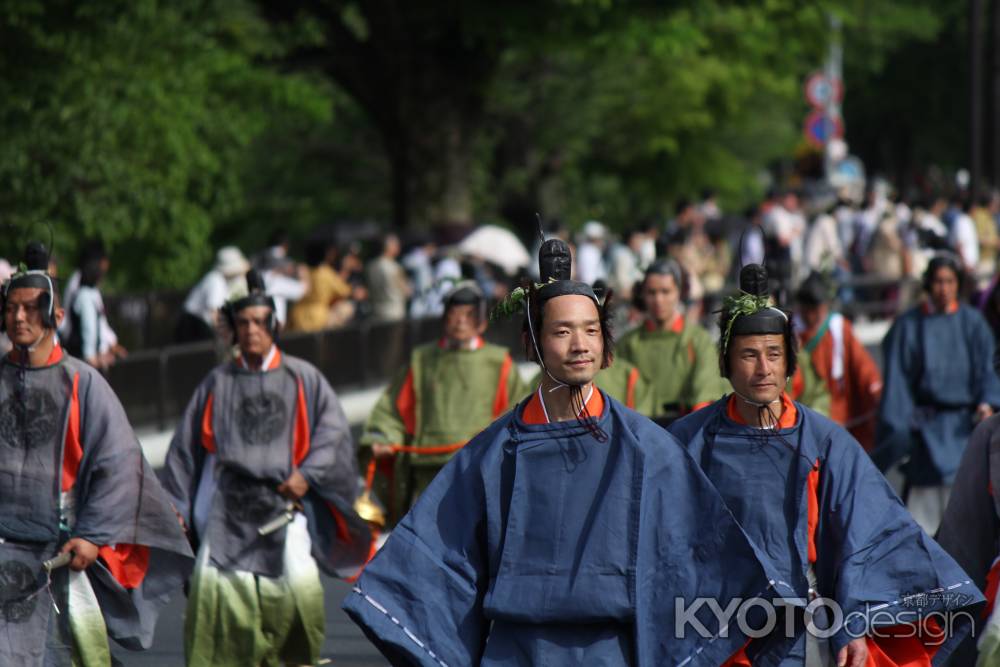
970, 531
939, 382
809, 498
572, 531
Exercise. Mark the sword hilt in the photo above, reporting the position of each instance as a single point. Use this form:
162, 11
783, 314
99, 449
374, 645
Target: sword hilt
56, 562
278, 522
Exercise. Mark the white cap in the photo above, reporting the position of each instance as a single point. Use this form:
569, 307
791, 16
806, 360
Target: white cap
230, 261
594, 230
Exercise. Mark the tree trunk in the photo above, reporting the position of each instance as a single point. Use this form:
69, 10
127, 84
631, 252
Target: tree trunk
456, 197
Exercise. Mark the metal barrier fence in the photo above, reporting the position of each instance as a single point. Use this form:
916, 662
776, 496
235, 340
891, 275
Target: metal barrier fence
155, 384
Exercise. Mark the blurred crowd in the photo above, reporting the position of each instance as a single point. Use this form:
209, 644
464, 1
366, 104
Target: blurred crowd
873, 247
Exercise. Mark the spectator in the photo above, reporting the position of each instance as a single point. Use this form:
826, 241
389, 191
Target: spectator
275, 256
625, 258
88, 320
590, 265
326, 303
784, 227
984, 217
419, 265
199, 320
387, 284
823, 248
109, 347
962, 236
286, 281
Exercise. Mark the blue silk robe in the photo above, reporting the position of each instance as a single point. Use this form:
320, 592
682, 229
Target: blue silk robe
870, 556
540, 545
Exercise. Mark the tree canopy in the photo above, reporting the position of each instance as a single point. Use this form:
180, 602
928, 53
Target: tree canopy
168, 128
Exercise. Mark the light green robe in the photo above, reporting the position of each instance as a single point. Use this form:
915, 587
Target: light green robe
615, 381
682, 369
813, 392
455, 395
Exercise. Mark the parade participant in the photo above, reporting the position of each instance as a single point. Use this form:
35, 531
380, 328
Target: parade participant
448, 393
939, 381
73, 481
970, 532
835, 355
675, 357
623, 382
566, 533
262, 471
808, 496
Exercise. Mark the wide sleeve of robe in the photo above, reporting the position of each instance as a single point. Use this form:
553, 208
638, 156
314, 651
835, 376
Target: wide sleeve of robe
970, 529
341, 540
873, 559
121, 504
186, 455
420, 599
385, 424
982, 344
895, 418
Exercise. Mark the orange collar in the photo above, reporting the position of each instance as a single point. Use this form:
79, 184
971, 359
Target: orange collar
927, 308
55, 356
677, 326
788, 411
534, 412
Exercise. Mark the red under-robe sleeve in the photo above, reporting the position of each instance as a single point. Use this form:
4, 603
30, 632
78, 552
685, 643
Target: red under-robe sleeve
127, 563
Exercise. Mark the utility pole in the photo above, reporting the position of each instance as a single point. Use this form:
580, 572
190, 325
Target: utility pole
834, 73
995, 119
975, 95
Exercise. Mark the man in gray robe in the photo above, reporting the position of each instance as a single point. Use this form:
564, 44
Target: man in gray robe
263, 472
73, 482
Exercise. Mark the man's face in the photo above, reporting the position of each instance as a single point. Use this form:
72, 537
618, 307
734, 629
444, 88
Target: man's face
813, 316
23, 317
462, 323
253, 335
571, 340
944, 288
757, 366
660, 295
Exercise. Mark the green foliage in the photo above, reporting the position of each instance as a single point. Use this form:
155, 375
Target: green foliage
169, 128
126, 120
658, 105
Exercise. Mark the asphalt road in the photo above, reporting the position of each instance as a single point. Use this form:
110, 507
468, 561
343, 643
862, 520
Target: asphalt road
345, 645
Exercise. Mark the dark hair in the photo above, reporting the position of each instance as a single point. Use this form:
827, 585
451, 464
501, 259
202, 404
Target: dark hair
277, 237
660, 267
791, 347
537, 311
92, 249
316, 251
943, 261
91, 272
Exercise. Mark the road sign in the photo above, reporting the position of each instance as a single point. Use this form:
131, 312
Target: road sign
822, 90
821, 128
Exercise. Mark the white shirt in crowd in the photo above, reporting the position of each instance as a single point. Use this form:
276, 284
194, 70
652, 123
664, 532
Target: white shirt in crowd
590, 263
965, 240
210, 294
107, 336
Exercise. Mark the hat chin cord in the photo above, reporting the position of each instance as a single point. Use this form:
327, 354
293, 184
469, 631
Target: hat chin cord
28, 349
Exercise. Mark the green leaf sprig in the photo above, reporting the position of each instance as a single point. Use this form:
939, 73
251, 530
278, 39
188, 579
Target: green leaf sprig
742, 304
513, 302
